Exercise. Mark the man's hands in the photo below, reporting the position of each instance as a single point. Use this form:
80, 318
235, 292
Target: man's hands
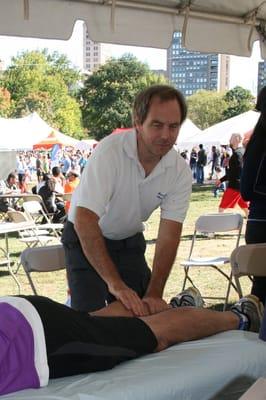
155, 304
140, 307
129, 298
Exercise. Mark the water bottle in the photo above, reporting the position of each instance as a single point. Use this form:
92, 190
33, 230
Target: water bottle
262, 333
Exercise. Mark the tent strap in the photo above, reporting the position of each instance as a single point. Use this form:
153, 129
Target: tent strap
26, 9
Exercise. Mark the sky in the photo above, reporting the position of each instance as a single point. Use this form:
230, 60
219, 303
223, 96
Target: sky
243, 69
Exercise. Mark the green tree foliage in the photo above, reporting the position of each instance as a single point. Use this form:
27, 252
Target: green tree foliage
238, 101
206, 108
45, 83
108, 94
5, 103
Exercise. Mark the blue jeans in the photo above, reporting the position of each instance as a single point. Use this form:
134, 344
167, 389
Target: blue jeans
200, 174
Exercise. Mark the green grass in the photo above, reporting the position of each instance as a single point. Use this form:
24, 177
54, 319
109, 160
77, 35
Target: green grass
209, 282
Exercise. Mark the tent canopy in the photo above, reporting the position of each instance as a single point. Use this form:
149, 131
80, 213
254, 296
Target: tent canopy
53, 138
22, 133
86, 145
223, 26
219, 134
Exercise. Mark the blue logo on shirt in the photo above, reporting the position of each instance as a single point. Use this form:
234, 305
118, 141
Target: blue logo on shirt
161, 195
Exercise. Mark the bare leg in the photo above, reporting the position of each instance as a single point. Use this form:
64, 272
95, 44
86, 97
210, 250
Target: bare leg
221, 210
177, 325
117, 309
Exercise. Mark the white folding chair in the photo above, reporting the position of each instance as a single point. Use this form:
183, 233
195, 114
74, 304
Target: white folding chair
207, 226
42, 259
31, 236
248, 260
35, 212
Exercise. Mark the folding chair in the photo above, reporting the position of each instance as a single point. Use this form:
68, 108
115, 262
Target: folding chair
207, 226
32, 236
42, 259
35, 212
248, 260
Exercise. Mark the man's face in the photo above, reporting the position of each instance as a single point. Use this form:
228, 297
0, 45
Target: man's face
159, 131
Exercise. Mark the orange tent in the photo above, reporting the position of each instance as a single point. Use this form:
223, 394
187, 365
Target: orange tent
55, 138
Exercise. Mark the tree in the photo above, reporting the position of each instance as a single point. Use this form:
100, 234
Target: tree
44, 83
5, 103
238, 101
108, 94
206, 108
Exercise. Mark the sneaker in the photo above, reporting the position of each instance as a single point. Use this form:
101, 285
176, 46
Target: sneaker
250, 311
189, 297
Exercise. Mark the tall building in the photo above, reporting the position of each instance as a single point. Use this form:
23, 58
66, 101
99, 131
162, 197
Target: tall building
191, 71
94, 54
261, 75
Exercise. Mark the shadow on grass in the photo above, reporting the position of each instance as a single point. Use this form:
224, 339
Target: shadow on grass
3, 272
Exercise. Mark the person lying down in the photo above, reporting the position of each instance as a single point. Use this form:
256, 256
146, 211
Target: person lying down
41, 339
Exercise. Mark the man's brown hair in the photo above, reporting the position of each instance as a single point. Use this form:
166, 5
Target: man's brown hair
143, 101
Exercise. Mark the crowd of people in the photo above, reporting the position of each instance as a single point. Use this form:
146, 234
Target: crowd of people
129, 176
38, 173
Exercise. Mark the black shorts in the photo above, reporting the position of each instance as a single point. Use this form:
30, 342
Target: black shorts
78, 343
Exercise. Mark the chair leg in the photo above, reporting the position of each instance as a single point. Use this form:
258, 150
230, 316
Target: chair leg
228, 291
31, 283
239, 289
187, 278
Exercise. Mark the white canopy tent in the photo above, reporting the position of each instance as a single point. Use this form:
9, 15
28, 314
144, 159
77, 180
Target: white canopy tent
223, 26
86, 145
187, 132
23, 133
219, 134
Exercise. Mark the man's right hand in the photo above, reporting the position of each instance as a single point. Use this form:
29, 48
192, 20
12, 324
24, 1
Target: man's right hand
129, 298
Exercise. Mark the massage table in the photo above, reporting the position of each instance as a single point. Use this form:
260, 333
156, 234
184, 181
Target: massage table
219, 367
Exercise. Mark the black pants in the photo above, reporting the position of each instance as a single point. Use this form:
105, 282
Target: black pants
88, 290
78, 343
256, 233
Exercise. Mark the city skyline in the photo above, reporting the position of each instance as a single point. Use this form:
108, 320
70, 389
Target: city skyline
243, 72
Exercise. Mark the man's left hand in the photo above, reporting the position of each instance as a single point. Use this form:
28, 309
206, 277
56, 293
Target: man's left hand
155, 304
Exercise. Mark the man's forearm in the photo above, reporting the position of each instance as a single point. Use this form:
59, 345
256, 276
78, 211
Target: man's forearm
165, 253
94, 248
162, 265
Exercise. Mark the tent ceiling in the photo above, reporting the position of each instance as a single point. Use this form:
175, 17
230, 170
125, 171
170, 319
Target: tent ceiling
224, 26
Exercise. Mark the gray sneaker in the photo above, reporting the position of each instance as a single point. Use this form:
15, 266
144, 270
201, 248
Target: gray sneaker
189, 297
251, 309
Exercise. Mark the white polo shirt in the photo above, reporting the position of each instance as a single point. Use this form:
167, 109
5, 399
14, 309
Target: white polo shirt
114, 186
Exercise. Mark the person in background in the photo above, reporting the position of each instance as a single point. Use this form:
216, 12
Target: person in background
193, 162
48, 194
253, 188
59, 180
70, 185
217, 176
201, 163
22, 184
21, 166
45, 164
128, 176
215, 158
39, 168
232, 195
